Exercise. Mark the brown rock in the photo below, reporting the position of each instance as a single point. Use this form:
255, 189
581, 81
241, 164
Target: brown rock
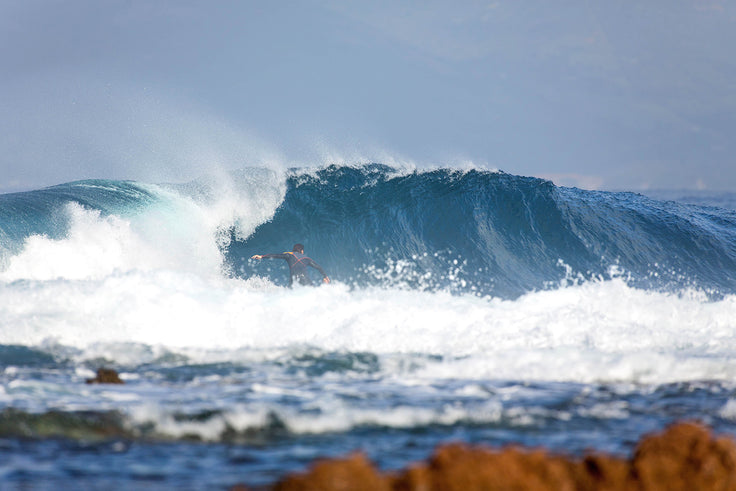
683, 457
354, 473
601, 472
105, 376
464, 468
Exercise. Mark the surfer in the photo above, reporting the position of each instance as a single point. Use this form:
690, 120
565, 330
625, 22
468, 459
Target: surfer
298, 263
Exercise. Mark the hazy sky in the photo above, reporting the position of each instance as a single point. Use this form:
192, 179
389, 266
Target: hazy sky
598, 94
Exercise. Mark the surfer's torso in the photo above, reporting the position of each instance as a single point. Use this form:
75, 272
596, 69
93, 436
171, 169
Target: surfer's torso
298, 264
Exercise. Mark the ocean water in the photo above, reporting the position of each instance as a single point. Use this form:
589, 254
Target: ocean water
465, 304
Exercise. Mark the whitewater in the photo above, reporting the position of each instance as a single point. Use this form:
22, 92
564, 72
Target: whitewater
465, 304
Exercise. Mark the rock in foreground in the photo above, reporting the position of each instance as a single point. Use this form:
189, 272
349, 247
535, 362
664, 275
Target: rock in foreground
686, 456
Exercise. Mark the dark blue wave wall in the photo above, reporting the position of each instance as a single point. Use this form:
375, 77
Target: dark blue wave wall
487, 232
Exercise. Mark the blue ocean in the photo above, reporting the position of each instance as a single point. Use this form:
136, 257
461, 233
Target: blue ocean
465, 305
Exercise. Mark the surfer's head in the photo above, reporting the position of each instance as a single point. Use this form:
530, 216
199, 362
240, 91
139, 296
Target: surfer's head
298, 248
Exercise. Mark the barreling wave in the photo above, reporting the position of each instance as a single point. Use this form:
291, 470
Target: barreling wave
489, 233
464, 231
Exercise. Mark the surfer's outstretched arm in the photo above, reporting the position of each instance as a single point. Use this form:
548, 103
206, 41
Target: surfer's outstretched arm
269, 256
316, 266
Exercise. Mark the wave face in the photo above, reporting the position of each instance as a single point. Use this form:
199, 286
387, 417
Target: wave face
469, 231
489, 233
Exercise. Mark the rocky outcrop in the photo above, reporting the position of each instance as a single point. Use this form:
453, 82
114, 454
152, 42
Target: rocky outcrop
105, 376
686, 456
354, 473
